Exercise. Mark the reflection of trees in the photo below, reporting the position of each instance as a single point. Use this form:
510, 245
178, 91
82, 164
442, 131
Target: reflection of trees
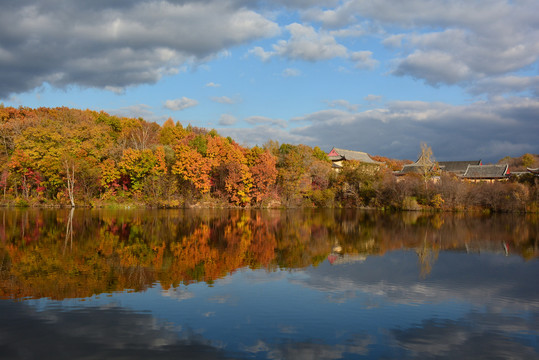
77, 253
427, 254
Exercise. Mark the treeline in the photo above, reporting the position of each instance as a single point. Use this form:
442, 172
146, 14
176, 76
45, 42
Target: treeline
69, 157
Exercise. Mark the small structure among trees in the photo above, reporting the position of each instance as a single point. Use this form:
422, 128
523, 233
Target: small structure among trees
472, 170
425, 166
339, 156
488, 173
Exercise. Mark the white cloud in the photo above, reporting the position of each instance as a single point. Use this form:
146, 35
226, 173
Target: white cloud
213, 85
394, 41
434, 67
330, 18
477, 39
306, 43
115, 89
137, 111
223, 100
352, 31
291, 72
442, 42
180, 104
345, 104
117, 44
261, 53
261, 134
507, 84
258, 120
373, 98
227, 120
363, 60
397, 129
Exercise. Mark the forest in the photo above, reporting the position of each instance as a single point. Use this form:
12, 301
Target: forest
62, 157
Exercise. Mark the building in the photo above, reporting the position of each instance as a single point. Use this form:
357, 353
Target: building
338, 156
457, 167
489, 173
421, 166
533, 171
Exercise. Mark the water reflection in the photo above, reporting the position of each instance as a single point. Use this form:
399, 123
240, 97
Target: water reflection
108, 333
78, 253
267, 285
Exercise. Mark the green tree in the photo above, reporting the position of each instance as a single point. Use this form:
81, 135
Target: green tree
528, 160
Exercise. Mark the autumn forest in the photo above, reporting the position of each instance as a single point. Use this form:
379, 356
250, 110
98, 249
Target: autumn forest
67, 157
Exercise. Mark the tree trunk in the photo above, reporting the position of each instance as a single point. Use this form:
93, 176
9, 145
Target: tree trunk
70, 175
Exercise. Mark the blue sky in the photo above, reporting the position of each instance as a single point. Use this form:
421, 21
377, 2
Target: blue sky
375, 76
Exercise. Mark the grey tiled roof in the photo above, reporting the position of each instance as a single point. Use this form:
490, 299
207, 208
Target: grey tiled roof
486, 171
457, 166
353, 155
418, 167
411, 169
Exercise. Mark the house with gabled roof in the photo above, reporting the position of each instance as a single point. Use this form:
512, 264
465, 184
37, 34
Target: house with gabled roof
338, 156
489, 173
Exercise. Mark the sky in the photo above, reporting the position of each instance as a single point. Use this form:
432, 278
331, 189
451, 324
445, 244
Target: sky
375, 76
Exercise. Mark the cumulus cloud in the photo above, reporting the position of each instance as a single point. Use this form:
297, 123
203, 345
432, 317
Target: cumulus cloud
116, 44
291, 72
261, 53
507, 84
363, 60
373, 98
258, 120
488, 130
180, 104
345, 104
330, 18
456, 42
227, 120
136, 111
261, 134
212, 84
393, 41
478, 39
309, 44
223, 100
306, 43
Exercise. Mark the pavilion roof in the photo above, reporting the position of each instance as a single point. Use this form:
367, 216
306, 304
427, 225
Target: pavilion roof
341, 154
486, 171
457, 166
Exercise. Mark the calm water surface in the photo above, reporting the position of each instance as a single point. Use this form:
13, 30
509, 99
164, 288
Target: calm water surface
267, 285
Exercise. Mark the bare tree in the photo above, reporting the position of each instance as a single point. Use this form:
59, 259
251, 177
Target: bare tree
428, 166
70, 178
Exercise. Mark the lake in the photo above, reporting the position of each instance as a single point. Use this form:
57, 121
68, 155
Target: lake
275, 284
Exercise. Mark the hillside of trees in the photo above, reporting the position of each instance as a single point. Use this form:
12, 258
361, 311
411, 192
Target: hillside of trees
70, 157
521, 163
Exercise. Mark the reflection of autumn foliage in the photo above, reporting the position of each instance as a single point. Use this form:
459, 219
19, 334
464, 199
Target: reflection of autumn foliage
114, 251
